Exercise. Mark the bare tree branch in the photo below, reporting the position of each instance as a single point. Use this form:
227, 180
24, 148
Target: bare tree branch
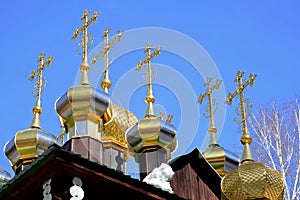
275, 130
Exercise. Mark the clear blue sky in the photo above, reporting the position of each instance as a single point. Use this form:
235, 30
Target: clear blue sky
261, 37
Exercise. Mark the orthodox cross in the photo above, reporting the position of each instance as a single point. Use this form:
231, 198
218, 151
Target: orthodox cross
241, 110
149, 57
39, 87
239, 91
212, 129
107, 45
85, 42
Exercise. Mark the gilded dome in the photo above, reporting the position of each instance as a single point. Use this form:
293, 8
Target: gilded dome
27, 145
82, 98
253, 180
81, 108
115, 129
222, 160
151, 133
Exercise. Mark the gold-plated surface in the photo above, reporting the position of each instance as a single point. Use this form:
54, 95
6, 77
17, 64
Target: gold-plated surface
212, 129
28, 144
39, 87
215, 155
222, 160
114, 130
149, 74
106, 84
253, 180
151, 132
246, 138
61, 137
85, 43
250, 180
81, 109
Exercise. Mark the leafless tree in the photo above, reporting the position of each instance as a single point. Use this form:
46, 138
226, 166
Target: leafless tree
275, 130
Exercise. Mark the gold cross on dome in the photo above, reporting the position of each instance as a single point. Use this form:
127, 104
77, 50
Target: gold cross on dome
39, 86
40, 80
85, 42
146, 61
208, 94
107, 45
105, 84
241, 111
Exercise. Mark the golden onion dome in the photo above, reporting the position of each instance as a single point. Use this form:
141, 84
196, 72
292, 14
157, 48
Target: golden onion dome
250, 180
219, 158
81, 108
253, 180
26, 146
152, 133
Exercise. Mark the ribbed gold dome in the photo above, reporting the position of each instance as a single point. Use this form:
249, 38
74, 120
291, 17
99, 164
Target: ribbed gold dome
114, 129
250, 180
253, 180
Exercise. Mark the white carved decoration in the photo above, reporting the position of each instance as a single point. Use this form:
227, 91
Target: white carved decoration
76, 191
47, 190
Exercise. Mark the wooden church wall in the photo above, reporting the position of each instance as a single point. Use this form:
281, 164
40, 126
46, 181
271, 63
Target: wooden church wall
187, 184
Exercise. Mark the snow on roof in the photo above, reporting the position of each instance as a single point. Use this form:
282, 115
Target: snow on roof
160, 177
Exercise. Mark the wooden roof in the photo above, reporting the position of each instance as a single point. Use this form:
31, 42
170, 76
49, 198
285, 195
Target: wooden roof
200, 180
62, 166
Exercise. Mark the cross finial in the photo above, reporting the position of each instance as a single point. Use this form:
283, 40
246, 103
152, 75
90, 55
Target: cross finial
105, 84
212, 129
149, 56
39, 87
241, 111
85, 43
